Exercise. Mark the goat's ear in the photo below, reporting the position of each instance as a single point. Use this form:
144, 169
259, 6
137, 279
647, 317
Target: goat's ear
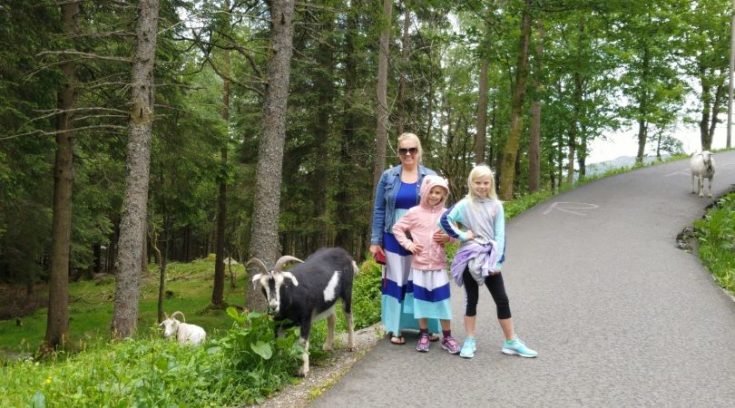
165, 315
289, 275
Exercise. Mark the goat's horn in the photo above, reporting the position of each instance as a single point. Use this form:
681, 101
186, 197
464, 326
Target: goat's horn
258, 263
283, 261
183, 318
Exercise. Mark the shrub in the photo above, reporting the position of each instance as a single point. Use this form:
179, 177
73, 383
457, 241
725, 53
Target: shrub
366, 294
716, 237
244, 366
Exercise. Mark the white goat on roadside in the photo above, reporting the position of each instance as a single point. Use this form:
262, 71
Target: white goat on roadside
186, 333
703, 167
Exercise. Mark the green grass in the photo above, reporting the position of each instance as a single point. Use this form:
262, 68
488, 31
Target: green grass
716, 238
90, 306
244, 366
241, 362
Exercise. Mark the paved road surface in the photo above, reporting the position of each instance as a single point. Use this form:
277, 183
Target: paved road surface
619, 315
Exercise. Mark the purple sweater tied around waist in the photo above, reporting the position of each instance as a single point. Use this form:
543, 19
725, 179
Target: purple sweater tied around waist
480, 258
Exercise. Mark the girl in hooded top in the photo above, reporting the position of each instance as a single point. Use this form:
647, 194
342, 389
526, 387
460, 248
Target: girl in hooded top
480, 257
428, 264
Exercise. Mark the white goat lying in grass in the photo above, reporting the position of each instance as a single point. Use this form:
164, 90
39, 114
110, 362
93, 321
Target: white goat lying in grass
703, 167
185, 332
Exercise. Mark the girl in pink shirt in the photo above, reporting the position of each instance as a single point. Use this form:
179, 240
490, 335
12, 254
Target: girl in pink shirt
429, 264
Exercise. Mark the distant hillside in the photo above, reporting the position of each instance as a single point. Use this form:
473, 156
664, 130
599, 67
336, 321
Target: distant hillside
621, 161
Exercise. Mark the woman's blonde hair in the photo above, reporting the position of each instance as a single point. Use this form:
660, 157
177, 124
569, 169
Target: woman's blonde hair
480, 171
407, 136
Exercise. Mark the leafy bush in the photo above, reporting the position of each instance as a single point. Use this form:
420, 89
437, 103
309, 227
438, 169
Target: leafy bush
716, 236
366, 294
244, 366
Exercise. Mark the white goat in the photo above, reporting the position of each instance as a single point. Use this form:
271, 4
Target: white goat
702, 167
185, 332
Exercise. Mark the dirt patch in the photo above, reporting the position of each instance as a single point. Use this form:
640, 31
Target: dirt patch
321, 378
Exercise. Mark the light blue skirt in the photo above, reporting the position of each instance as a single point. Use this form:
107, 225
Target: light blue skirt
398, 305
431, 294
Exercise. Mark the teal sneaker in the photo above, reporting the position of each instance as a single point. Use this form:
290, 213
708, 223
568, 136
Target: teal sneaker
516, 347
468, 348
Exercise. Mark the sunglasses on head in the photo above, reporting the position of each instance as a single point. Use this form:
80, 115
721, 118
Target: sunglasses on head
404, 151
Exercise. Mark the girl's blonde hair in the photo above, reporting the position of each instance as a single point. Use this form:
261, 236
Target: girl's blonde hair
407, 136
480, 171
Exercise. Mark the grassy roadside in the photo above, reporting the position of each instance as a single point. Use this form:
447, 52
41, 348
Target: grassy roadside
715, 234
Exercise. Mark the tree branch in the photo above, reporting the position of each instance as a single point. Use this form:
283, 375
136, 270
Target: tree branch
86, 55
55, 132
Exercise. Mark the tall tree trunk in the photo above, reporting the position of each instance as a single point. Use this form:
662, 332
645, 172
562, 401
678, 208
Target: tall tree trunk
482, 94
264, 237
326, 170
578, 101
57, 323
405, 48
135, 201
510, 152
706, 107
582, 152
161, 259
481, 135
218, 289
381, 133
731, 72
534, 143
219, 265
345, 234
574, 126
643, 108
719, 95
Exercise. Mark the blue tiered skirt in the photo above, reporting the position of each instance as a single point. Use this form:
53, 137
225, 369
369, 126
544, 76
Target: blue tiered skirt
399, 306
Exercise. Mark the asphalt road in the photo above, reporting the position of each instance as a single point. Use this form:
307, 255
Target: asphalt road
619, 315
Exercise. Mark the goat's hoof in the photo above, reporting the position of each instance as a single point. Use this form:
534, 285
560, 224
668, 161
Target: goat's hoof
302, 373
327, 347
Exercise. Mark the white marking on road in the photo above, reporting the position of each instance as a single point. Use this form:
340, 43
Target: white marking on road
679, 173
571, 207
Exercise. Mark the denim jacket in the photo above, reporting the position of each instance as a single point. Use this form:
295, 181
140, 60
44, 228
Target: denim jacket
385, 200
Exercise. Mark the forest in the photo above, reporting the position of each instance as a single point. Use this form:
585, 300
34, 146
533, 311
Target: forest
153, 130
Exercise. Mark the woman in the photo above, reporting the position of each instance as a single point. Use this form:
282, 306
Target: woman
396, 192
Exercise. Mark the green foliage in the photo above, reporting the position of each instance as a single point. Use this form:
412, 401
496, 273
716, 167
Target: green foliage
716, 236
189, 287
244, 366
366, 294
524, 202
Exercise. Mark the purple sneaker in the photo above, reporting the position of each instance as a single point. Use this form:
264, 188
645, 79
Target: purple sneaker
423, 343
450, 345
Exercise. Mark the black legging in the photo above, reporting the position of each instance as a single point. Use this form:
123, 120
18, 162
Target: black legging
495, 284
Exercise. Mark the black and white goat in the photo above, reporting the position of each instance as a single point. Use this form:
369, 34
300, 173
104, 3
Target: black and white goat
703, 167
309, 292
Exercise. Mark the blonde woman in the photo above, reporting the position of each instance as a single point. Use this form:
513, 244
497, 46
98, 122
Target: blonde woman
396, 192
